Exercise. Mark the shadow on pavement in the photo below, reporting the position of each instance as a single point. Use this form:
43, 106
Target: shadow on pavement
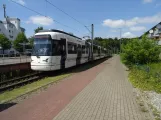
6, 106
87, 66
78, 68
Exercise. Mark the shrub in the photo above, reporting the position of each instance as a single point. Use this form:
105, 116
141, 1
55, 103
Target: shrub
5, 43
21, 38
140, 51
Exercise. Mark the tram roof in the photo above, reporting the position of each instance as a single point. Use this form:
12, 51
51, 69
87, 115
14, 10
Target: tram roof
59, 31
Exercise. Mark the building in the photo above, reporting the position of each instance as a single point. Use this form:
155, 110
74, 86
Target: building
10, 27
155, 33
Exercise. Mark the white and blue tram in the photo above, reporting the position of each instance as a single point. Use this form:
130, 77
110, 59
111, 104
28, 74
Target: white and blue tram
55, 49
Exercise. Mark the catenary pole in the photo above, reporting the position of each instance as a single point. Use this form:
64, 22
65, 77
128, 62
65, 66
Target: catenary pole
92, 37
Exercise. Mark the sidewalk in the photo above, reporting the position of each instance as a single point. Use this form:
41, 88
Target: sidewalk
99, 93
47, 104
108, 97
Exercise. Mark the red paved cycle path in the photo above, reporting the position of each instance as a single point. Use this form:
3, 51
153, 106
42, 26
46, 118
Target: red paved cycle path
49, 103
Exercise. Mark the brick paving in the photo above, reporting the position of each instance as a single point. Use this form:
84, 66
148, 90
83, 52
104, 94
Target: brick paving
108, 97
100, 93
47, 104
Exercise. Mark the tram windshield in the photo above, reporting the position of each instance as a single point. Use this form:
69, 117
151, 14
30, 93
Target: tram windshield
42, 47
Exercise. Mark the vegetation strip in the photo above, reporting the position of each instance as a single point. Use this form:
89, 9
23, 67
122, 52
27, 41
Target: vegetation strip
146, 78
19, 83
142, 56
18, 78
10, 95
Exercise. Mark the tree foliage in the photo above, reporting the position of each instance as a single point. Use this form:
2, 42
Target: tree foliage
108, 43
31, 42
21, 38
37, 29
111, 44
140, 51
5, 43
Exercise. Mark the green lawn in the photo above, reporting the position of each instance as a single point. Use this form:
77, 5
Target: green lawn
146, 77
9, 95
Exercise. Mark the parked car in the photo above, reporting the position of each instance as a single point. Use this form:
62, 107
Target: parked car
28, 52
13, 53
17, 53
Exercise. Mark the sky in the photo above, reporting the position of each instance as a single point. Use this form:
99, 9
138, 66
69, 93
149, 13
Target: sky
110, 17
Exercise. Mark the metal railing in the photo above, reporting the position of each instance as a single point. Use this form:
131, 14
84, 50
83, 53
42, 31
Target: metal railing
13, 59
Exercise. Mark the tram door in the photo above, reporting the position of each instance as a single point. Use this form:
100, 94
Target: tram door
79, 54
63, 53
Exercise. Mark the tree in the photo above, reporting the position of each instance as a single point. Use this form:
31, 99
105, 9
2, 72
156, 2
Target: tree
140, 51
37, 29
5, 43
31, 41
21, 38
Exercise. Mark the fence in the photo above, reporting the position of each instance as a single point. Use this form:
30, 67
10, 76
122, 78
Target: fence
6, 59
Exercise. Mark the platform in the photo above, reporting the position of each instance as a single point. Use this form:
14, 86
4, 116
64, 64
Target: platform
100, 93
14, 60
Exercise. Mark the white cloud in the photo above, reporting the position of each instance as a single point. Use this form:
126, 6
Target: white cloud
128, 35
40, 20
137, 28
114, 23
147, 1
132, 22
22, 2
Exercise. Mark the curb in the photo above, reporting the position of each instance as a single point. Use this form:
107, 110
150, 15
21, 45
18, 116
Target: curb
7, 101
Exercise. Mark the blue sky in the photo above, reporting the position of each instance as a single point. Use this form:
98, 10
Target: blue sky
133, 16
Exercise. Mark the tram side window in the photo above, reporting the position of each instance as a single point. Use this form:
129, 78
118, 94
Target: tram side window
72, 48
99, 51
87, 49
83, 49
94, 49
102, 51
56, 50
79, 48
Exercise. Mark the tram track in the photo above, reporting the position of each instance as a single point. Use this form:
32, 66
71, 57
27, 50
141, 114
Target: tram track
20, 81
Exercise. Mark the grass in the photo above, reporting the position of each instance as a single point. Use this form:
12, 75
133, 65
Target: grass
146, 79
9, 95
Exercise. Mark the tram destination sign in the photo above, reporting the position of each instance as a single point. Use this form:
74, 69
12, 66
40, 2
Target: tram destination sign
43, 36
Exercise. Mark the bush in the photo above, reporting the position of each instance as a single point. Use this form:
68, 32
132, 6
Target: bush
140, 51
5, 43
21, 38
147, 80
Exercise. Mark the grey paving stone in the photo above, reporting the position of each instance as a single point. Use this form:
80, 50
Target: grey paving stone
108, 97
